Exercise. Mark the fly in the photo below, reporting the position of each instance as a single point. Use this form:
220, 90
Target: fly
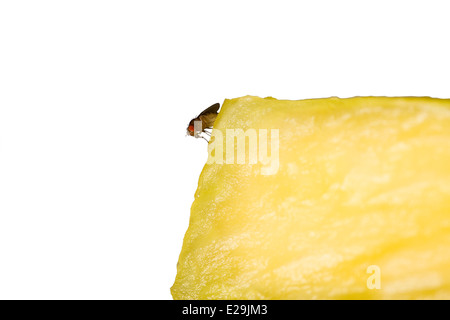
202, 122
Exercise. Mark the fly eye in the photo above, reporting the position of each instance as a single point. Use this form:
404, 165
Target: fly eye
191, 128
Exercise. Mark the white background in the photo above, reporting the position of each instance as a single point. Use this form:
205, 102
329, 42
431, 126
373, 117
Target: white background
96, 174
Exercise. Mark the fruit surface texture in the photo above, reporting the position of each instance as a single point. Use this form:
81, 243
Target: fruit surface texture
354, 204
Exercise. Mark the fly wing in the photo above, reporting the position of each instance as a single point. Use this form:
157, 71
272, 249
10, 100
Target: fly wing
213, 109
208, 120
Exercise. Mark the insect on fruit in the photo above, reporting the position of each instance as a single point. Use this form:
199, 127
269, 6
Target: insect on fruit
203, 121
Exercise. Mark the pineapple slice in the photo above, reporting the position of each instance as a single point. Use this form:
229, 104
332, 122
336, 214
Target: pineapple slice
328, 199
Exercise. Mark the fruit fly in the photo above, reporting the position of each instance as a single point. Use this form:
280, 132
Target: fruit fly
203, 121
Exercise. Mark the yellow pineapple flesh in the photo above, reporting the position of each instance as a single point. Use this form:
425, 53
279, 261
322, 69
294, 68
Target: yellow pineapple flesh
355, 203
